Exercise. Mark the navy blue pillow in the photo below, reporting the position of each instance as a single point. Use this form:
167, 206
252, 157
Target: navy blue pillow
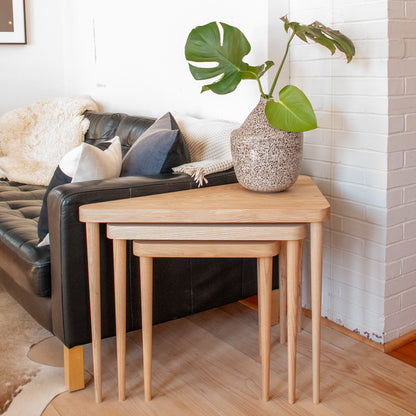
160, 148
58, 178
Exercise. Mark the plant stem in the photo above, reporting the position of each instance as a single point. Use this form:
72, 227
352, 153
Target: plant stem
281, 66
261, 88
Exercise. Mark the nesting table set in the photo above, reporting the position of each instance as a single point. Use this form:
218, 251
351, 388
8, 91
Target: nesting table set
218, 221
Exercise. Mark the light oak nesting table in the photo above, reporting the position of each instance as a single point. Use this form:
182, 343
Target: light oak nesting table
218, 213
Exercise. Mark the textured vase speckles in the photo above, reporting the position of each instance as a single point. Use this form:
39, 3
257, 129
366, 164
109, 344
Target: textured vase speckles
265, 159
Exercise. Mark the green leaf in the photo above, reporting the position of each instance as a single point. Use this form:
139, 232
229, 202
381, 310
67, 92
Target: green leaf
262, 69
293, 112
327, 43
342, 42
323, 35
204, 45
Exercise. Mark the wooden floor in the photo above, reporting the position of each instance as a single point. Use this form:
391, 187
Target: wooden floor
407, 353
208, 364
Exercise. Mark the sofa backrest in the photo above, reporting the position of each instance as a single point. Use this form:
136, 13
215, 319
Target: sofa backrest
105, 126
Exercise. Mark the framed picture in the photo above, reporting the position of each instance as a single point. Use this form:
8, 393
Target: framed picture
12, 21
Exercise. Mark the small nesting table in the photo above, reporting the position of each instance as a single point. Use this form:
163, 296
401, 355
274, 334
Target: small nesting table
263, 251
218, 213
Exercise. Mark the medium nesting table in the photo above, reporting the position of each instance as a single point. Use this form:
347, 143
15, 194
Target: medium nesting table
220, 213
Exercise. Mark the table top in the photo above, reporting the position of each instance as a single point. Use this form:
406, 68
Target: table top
301, 203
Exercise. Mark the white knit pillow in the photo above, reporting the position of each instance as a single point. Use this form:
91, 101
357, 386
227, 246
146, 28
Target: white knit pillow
209, 146
207, 139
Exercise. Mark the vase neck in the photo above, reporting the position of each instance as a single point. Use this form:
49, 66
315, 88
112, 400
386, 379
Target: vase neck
257, 116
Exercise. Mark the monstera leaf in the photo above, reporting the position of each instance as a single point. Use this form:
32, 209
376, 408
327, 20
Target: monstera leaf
293, 112
204, 44
324, 35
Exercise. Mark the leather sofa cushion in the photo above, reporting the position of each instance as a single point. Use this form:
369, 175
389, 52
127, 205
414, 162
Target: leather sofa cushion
20, 206
104, 126
130, 128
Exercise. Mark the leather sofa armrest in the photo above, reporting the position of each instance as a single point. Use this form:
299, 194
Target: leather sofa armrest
69, 274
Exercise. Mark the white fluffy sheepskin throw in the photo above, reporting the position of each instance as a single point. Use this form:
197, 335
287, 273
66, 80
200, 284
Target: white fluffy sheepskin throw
34, 139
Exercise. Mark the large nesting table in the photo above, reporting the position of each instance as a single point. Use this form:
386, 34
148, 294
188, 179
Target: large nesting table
218, 213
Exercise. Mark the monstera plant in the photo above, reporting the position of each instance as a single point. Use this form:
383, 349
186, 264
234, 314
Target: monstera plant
291, 111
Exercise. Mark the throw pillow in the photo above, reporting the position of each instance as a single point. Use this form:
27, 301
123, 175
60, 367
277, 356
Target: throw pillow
207, 139
160, 148
83, 163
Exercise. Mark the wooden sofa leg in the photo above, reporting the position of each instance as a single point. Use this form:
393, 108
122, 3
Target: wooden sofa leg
74, 368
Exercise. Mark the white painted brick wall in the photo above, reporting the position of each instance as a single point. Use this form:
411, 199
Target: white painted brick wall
363, 157
402, 179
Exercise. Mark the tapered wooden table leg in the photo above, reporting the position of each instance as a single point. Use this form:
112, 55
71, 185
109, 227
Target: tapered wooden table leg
292, 311
317, 233
300, 286
93, 252
146, 288
119, 252
264, 280
283, 291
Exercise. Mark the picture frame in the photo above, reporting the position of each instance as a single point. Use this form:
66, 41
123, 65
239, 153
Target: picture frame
12, 22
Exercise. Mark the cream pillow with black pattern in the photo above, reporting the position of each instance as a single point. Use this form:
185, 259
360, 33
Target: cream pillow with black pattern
83, 163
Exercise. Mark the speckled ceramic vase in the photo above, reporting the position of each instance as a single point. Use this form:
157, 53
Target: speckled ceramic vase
265, 159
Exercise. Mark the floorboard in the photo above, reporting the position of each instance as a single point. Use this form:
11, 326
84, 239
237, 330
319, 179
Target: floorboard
208, 364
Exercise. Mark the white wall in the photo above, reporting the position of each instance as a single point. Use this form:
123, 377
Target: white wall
34, 71
130, 57
400, 296
347, 157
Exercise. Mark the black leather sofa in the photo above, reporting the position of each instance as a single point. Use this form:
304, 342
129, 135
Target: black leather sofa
51, 283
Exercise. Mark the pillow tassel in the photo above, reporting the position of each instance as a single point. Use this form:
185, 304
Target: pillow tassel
199, 176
